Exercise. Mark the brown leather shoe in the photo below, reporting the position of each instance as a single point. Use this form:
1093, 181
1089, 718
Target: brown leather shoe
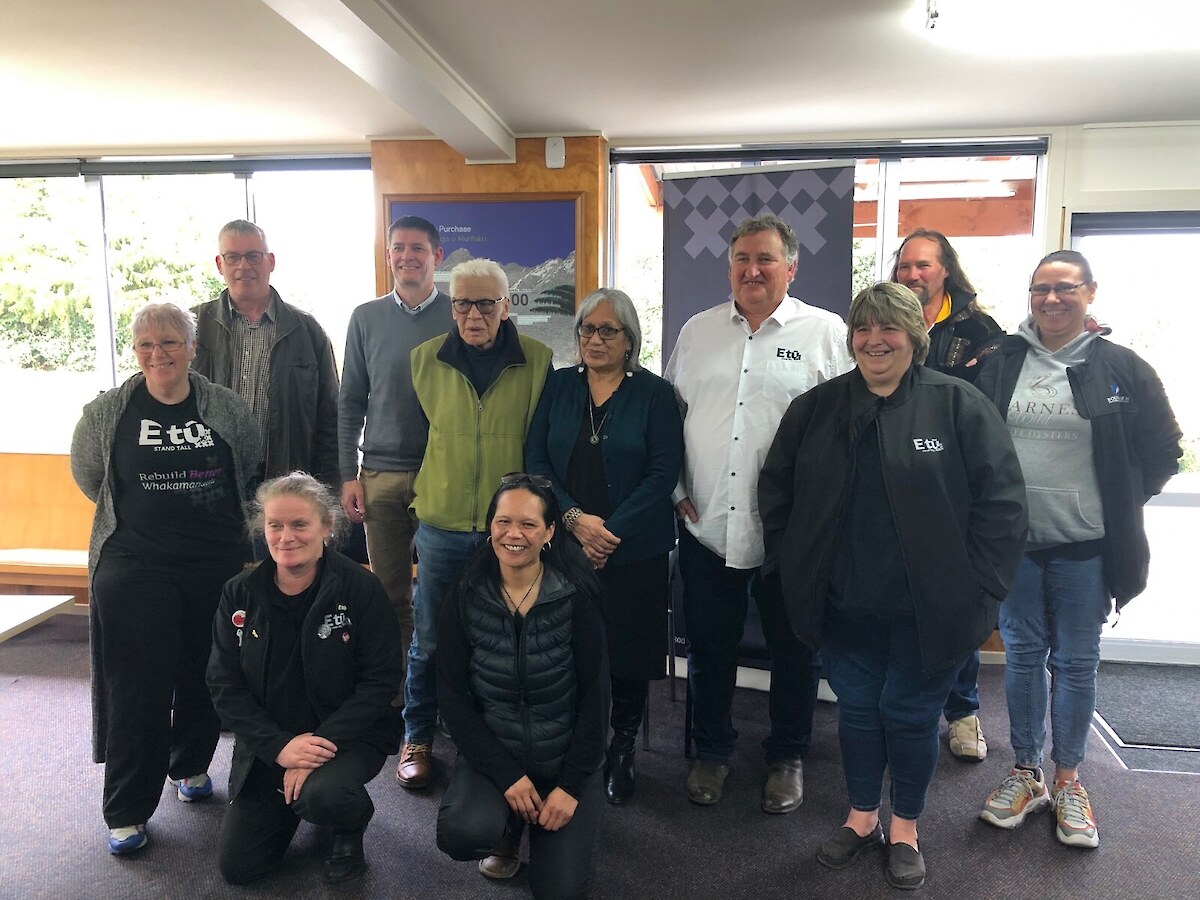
415, 767
505, 860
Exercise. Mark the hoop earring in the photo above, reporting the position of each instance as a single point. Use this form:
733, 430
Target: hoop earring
546, 547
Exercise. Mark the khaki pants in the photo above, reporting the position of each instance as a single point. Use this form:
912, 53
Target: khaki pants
390, 528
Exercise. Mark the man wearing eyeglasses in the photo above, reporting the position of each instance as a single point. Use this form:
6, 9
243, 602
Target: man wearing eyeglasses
736, 367
961, 335
478, 387
275, 356
378, 412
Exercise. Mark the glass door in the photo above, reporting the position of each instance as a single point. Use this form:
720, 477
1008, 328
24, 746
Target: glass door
1131, 255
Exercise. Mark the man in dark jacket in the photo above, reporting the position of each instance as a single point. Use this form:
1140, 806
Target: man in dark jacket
960, 333
274, 356
960, 336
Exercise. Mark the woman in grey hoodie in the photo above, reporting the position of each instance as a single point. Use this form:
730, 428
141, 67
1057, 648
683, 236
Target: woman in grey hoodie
1096, 438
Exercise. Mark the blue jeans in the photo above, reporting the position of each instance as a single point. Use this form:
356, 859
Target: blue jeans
964, 693
1055, 610
441, 557
715, 598
888, 709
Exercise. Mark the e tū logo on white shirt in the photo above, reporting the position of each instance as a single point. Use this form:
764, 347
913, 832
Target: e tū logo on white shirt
927, 445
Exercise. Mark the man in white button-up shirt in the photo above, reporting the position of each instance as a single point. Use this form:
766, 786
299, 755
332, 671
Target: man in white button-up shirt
736, 367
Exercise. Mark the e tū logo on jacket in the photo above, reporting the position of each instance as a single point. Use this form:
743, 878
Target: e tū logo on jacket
332, 623
927, 445
1115, 395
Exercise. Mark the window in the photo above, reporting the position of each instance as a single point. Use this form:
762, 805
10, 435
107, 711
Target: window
983, 203
79, 255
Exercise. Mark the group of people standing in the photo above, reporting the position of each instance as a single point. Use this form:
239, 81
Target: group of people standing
880, 510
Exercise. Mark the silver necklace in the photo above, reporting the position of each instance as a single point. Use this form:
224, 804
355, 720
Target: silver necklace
517, 606
595, 438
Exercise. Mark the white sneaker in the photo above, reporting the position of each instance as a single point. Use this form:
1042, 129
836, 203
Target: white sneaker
966, 738
1076, 822
1021, 793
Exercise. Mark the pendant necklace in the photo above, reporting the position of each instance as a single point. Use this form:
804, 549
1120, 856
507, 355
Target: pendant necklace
595, 438
516, 607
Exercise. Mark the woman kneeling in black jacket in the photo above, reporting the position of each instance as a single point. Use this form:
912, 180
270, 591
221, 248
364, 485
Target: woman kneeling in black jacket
523, 687
894, 510
305, 663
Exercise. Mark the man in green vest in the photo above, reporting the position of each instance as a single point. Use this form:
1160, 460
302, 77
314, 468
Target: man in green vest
478, 387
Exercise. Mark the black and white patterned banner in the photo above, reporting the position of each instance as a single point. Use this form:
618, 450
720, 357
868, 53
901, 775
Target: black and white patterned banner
701, 212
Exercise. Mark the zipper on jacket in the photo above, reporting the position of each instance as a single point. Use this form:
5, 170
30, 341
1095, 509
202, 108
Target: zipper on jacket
887, 493
526, 724
479, 440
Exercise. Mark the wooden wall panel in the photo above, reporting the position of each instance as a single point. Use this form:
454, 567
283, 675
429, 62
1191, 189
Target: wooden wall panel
432, 167
40, 506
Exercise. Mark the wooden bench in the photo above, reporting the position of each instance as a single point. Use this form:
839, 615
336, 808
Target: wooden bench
44, 526
32, 571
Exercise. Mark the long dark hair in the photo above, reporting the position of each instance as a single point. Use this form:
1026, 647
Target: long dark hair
957, 281
564, 554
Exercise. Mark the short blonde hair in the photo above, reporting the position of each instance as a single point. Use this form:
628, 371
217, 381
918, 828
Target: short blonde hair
889, 303
302, 486
162, 317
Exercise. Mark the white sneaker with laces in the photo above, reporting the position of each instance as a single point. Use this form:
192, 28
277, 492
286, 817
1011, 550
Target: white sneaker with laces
1073, 810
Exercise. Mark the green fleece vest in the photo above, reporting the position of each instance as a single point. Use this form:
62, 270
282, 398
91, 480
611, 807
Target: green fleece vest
473, 440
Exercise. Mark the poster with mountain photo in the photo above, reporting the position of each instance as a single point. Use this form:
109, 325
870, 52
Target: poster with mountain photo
532, 240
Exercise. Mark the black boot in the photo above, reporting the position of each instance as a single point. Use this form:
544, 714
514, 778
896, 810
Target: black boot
628, 699
345, 859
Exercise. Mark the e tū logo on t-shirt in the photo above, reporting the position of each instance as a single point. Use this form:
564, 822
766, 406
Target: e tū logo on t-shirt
193, 434
927, 445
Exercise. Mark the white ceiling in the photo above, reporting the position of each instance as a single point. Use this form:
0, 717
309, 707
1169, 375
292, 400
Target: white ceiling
90, 77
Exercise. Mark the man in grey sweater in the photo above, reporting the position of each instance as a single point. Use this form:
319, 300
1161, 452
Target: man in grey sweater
377, 392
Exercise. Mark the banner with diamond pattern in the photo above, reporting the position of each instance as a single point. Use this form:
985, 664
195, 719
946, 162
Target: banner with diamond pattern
701, 212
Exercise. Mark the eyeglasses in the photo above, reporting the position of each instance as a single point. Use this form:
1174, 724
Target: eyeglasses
145, 348
485, 307
525, 478
254, 257
606, 332
1062, 289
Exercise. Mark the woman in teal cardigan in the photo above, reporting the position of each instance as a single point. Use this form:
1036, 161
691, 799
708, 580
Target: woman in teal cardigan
609, 436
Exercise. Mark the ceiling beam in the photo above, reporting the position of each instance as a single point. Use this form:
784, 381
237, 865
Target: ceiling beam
372, 40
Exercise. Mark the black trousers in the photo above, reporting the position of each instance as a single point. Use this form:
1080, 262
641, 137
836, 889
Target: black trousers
715, 599
259, 826
155, 636
474, 814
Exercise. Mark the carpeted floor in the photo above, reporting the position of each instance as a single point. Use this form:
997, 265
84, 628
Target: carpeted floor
658, 847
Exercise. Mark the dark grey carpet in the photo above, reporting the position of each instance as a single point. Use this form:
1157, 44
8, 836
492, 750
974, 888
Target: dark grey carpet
1153, 706
658, 847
